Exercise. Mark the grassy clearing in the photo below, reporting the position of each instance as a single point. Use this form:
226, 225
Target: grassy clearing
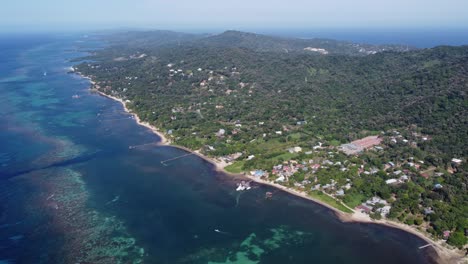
236, 167
355, 200
285, 156
330, 201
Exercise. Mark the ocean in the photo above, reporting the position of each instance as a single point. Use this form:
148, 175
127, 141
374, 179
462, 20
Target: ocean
72, 191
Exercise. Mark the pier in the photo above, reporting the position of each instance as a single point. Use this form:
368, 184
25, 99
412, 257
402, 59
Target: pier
164, 162
425, 246
142, 145
115, 119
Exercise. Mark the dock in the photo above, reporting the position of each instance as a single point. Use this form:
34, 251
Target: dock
142, 145
116, 119
425, 246
164, 162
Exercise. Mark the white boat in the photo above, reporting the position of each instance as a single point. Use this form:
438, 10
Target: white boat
240, 188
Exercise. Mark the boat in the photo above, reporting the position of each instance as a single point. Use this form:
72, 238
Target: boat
243, 185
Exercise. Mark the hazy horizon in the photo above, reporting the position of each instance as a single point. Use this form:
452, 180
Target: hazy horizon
53, 15
415, 37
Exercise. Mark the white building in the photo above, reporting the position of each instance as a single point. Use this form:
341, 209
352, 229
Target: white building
391, 181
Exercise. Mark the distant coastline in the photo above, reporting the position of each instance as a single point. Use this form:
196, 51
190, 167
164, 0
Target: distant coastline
444, 254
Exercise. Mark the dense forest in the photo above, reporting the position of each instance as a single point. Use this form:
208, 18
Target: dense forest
259, 96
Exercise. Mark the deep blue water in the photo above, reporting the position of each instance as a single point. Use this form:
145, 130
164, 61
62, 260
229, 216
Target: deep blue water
71, 190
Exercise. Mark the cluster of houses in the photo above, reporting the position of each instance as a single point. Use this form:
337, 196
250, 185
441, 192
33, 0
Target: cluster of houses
284, 171
375, 204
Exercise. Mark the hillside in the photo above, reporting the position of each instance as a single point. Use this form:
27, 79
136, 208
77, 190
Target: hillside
240, 97
263, 43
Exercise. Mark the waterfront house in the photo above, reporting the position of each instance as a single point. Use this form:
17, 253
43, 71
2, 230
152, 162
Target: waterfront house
363, 208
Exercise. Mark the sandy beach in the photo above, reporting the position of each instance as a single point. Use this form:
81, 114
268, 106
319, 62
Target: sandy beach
164, 139
445, 254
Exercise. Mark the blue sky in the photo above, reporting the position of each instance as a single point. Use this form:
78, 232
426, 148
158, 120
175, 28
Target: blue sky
240, 14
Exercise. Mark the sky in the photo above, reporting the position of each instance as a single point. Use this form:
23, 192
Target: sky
32, 15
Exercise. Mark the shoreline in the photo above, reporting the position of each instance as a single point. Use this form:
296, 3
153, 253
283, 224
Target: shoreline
443, 254
164, 139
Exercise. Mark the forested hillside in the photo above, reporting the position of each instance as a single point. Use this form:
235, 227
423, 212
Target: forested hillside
343, 95
242, 95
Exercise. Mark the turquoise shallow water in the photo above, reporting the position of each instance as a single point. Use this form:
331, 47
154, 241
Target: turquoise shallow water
72, 191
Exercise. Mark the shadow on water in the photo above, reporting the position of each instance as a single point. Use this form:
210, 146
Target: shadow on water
72, 161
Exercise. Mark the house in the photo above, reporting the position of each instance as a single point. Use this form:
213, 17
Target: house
404, 178
316, 187
300, 123
340, 192
258, 173
315, 166
350, 149
220, 133
280, 179
295, 150
376, 200
363, 209
318, 146
384, 210
446, 234
250, 157
438, 186
278, 132
456, 161
391, 181
425, 175
428, 211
